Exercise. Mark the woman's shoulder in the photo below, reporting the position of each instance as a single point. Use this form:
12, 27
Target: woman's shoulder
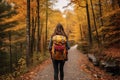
58, 35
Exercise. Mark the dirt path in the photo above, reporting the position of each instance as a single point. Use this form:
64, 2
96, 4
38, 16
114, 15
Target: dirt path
78, 67
72, 68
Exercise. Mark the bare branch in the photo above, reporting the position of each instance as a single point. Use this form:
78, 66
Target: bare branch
82, 6
67, 5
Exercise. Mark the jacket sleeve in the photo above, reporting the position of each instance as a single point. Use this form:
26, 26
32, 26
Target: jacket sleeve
67, 45
50, 44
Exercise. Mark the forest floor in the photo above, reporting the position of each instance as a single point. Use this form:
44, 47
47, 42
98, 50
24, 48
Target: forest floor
77, 67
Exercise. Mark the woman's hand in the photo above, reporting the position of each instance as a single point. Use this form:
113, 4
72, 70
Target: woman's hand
50, 51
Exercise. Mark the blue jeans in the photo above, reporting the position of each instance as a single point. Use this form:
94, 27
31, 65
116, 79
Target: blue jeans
58, 65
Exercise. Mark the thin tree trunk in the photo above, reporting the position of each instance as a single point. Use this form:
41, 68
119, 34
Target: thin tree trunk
119, 3
98, 41
113, 4
46, 22
89, 27
41, 31
34, 30
28, 34
21, 49
42, 44
33, 34
101, 20
38, 28
81, 31
16, 56
10, 52
100, 9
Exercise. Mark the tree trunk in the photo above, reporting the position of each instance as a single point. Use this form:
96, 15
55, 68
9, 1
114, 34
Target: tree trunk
28, 34
101, 20
21, 49
33, 33
89, 27
16, 56
100, 9
113, 4
98, 41
10, 52
80, 26
119, 3
38, 27
46, 23
41, 33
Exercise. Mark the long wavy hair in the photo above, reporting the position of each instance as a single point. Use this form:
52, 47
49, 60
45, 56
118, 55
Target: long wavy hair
59, 30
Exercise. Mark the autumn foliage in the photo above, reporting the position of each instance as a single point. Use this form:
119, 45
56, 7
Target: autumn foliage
96, 27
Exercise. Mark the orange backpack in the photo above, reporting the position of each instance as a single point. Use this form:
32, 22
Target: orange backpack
59, 47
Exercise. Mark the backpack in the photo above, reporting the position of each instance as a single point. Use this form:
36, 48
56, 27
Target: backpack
59, 51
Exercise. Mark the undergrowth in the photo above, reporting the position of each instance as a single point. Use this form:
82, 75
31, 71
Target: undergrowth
21, 68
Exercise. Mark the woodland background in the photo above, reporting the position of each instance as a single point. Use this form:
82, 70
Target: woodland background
26, 26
